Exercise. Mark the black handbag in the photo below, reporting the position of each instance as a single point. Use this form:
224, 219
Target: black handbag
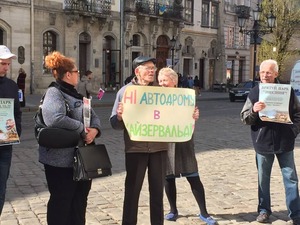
91, 161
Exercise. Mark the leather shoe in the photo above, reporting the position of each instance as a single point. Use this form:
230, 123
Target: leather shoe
263, 218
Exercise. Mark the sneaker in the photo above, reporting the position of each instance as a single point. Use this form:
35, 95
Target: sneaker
171, 216
208, 220
263, 218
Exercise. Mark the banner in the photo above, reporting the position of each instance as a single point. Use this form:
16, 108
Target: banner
8, 130
159, 114
277, 98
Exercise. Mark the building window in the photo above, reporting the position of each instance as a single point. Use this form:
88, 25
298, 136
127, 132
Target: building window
49, 45
188, 11
205, 14
136, 40
230, 37
242, 40
214, 16
1, 37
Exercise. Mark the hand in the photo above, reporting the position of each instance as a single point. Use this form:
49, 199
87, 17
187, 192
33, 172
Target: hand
196, 113
258, 106
120, 111
90, 135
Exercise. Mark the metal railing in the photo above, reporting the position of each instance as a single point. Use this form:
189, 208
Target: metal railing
88, 6
160, 10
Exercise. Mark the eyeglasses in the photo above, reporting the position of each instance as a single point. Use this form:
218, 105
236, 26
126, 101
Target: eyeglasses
75, 71
150, 68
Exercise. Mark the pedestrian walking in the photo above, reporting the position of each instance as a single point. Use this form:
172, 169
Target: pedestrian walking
141, 156
8, 89
272, 140
183, 154
68, 198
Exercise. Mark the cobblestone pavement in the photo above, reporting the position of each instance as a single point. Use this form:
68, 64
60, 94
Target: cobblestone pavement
226, 164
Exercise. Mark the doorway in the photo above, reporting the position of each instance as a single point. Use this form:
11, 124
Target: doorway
84, 45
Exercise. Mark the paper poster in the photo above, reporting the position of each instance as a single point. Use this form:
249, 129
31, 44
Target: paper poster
295, 78
8, 130
86, 112
277, 98
159, 114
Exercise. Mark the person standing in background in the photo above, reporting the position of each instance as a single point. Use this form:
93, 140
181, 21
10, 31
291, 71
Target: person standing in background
85, 87
197, 86
21, 84
183, 154
8, 89
190, 82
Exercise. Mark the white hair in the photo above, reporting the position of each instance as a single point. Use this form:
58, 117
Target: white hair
270, 61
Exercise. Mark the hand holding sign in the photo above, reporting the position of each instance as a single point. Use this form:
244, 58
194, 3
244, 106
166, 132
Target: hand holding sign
158, 114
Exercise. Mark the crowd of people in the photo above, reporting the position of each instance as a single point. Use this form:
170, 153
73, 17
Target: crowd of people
69, 198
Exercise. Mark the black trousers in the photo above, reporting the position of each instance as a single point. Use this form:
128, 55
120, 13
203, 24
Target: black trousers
136, 166
68, 198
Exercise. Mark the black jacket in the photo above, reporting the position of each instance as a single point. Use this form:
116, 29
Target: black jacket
9, 89
270, 137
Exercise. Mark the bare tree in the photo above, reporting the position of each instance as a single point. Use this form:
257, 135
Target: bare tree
279, 44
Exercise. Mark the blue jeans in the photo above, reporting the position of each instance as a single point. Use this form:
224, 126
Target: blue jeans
5, 162
286, 162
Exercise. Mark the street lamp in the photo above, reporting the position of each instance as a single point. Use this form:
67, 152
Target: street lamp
173, 43
256, 32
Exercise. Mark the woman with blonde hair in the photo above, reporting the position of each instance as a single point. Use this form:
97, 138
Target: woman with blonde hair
68, 198
183, 153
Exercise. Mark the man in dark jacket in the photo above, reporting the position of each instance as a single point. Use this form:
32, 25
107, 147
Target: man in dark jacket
8, 89
141, 155
273, 139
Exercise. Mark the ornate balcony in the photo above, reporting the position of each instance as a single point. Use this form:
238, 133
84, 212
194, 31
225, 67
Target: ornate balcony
95, 8
243, 10
173, 12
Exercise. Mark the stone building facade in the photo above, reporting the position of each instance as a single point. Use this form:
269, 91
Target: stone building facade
104, 36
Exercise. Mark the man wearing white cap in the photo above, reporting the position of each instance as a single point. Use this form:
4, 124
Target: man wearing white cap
8, 89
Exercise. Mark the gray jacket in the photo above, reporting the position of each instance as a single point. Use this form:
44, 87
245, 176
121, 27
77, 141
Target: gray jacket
85, 87
55, 115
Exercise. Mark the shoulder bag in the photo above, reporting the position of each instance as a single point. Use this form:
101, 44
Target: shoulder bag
91, 161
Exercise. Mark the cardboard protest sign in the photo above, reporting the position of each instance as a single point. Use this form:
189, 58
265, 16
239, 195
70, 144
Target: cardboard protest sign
8, 130
159, 114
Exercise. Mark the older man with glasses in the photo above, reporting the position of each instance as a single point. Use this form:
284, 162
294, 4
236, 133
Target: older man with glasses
141, 156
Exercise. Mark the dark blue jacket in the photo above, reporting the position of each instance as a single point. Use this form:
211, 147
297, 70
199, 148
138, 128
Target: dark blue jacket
270, 137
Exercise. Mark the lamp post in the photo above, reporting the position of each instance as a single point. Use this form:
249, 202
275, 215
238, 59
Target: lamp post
256, 32
173, 43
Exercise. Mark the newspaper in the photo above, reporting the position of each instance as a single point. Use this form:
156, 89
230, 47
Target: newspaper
86, 113
277, 98
8, 130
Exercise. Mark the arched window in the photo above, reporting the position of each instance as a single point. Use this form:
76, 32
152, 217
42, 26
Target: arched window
1, 36
136, 40
49, 45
